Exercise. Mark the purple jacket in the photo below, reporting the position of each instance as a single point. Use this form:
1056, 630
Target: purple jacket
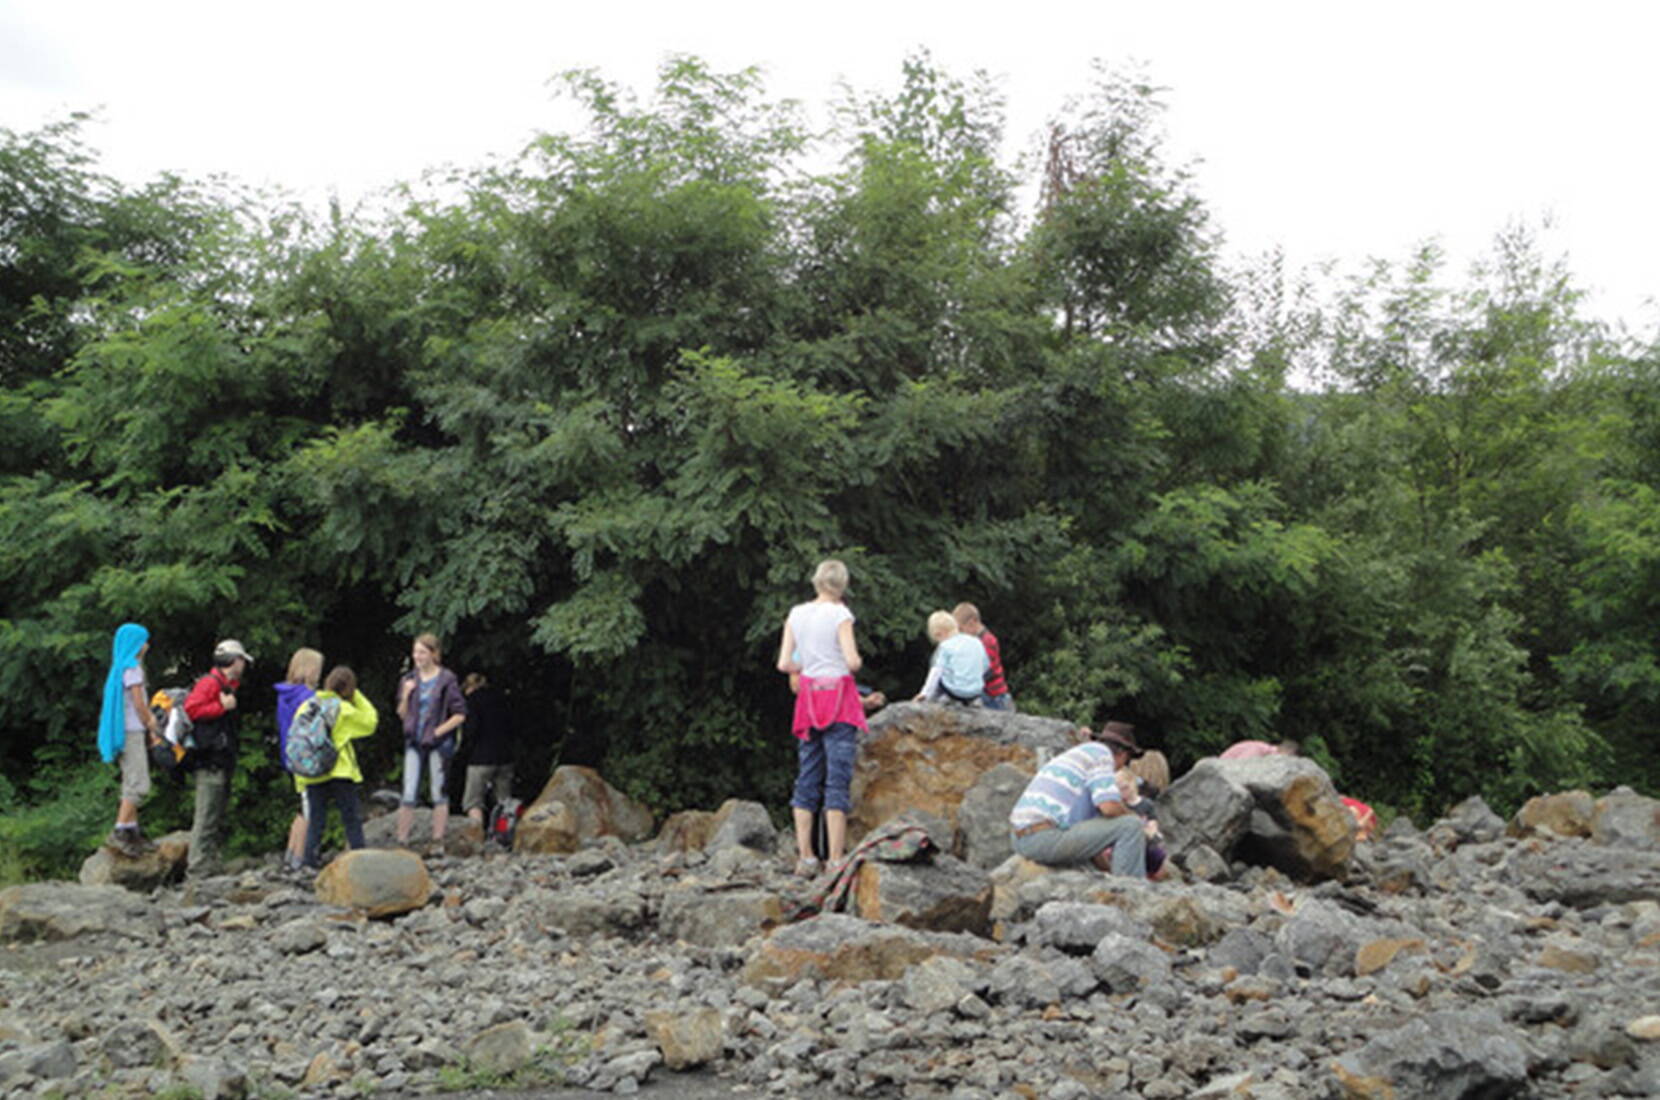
446, 701
289, 698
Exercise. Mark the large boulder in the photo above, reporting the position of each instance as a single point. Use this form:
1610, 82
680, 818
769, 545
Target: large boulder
1274, 811
925, 757
378, 882
1442, 1056
686, 831
687, 1038
1626, 819
724, 918
1207, 807
161, 866
983, 815
1594, 877
942, 895
577, 806
1555, 815
740, 824
838, 947
53, 911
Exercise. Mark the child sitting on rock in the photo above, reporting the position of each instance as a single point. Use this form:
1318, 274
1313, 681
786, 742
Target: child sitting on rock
1149, 775
958, 670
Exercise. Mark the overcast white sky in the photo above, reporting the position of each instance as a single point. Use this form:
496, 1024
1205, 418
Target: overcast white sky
1334, 130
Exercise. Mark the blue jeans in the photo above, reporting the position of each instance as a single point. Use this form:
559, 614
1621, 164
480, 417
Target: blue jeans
343, 793
824, 768
1088, 839
1004, 701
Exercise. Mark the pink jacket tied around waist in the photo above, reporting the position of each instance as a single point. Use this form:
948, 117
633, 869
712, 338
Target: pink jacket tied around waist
824, 702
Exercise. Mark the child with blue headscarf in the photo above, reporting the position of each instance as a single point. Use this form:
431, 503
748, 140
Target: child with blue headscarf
126, 726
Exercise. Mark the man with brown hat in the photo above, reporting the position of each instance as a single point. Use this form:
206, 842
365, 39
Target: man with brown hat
1076, 810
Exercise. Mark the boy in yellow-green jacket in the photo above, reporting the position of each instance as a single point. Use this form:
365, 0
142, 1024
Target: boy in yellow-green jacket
357, 719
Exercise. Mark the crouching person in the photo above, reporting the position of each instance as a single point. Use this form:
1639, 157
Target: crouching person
357, 719
1075, 811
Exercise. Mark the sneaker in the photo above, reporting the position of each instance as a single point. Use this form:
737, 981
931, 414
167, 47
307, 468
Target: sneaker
807, 868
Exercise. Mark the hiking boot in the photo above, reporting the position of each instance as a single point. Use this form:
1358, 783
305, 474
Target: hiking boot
124, 843
145, 844
807, 868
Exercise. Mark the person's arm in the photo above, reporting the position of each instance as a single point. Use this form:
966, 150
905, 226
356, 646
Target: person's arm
205, 701
364, 715
455, 704
931, 684
405, 686
786, 651
143, 709
850, 648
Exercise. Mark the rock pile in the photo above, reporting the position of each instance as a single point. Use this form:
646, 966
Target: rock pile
1476, 958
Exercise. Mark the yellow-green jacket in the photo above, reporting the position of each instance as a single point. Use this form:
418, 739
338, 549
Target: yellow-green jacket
357, 719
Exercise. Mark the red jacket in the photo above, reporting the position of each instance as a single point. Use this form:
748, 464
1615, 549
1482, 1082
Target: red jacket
202, 704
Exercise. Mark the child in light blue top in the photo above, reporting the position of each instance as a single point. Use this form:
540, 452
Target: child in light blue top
957, 672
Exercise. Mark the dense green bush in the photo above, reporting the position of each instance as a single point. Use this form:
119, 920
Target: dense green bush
593, 414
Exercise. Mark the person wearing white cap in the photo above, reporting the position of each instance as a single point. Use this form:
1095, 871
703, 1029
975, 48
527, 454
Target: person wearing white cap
211, 708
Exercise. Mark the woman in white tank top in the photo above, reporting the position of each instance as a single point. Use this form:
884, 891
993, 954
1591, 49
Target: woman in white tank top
818, 644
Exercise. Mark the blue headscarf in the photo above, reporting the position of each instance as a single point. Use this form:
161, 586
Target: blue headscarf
112, 721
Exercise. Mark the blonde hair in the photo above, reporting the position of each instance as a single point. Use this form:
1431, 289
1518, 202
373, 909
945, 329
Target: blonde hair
305, 666
830, 578
430, 642
1153, 769
941, 626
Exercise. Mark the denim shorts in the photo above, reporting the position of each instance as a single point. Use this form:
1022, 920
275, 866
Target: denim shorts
824, 768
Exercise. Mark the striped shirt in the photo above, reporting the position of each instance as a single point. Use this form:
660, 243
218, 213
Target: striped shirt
1068, 788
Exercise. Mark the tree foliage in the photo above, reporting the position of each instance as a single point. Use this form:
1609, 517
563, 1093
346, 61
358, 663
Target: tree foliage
592, 415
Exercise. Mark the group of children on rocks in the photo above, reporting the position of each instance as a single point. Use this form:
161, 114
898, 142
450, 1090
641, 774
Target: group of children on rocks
432, 705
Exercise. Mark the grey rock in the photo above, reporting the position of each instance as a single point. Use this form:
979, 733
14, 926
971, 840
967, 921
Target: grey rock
137, 1043
162, 865
1472, 821
743, 825
943, 894
1124, 965
1241, 948
1024, 981
1076, 927
937, 984
718, 918
1456, 1055
43, 1061
592, 911
1323, 936
501, 1049
53, 911
1596, 876
687, 1038
1626, 819
1201, 862
1207, 807
213, 1078
983, 816
297, 937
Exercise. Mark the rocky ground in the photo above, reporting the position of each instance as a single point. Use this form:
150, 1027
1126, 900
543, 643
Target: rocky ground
1474, 958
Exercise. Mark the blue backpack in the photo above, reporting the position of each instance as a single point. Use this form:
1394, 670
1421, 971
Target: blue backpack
309, 751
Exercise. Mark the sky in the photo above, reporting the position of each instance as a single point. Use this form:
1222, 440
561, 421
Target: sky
1332, 131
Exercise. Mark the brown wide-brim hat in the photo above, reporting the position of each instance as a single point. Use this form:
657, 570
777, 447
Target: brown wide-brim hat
1121, 735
